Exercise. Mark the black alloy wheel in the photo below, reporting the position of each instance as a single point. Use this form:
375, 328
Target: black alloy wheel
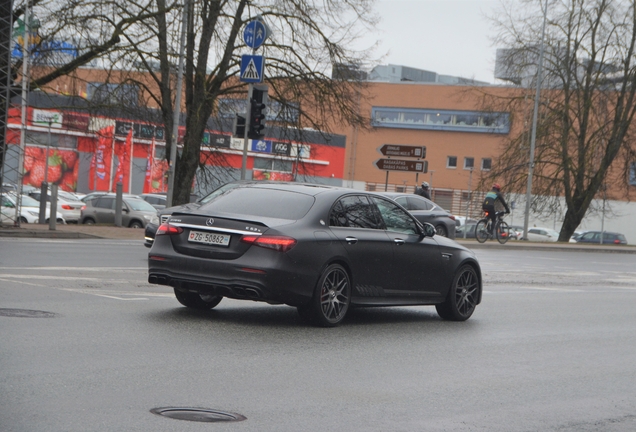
331, 299
462, 297
197, 301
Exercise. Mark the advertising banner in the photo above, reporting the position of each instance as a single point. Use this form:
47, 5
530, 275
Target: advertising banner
59, 167
99, 172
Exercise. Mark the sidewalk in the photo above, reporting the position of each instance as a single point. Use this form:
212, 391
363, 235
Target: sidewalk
75, 231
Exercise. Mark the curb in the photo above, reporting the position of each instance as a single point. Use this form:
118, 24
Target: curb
20, 233
570, 247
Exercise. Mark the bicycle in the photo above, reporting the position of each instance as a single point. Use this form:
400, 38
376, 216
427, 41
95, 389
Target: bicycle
483, 229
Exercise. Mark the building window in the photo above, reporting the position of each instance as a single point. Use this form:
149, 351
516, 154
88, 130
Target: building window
447, 120
451, 162
113, 94
275, 111
486, 164
469, 163
632, 174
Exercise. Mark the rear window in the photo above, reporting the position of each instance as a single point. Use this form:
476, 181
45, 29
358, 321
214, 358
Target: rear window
270, 203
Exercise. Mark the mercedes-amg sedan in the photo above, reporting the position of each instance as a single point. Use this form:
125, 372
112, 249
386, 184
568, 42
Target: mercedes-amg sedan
320, 249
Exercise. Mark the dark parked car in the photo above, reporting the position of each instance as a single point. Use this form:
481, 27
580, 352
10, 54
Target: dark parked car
426, 210
136, 213
320, 249
608, 238
470, 230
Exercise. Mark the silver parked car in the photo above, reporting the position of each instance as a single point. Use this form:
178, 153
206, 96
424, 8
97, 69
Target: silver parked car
136, 213
426, 211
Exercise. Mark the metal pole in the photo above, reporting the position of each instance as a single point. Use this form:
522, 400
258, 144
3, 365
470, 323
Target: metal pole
386, 182
25, 95
53, 212
535, 115
177, 107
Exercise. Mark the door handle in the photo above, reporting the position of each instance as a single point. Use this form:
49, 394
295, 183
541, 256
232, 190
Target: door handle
351, 240
399, 242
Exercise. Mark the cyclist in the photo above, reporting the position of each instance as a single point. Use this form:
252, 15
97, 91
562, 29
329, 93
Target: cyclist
493, 202
424, 191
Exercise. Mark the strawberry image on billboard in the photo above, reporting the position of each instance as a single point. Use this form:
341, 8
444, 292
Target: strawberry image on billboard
55, 167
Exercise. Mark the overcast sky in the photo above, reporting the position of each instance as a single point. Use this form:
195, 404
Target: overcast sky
450, 37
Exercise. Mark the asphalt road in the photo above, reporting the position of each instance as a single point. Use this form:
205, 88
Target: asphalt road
551, 348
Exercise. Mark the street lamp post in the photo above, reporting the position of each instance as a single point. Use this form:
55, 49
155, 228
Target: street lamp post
535, 115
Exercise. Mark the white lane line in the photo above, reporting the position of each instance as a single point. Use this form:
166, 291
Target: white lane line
118, 295
40, 277
93, 269
23, 283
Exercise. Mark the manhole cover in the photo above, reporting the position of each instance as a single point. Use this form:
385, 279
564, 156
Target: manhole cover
198, 414
25, 313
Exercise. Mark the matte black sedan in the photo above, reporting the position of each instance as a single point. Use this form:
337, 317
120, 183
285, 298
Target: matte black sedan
426, 210
320, 249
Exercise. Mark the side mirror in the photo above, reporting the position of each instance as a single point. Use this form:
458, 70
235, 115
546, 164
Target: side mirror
125, 210
428, 230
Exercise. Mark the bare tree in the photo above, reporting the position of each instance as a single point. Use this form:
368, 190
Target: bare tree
141, 38
307, 38
585, 136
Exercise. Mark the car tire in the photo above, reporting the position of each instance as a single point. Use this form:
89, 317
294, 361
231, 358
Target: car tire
88, 221
136, 225
330, 302
441, 230
462, 297
23, 220
197, 301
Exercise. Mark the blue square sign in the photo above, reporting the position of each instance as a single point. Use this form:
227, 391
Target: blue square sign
251, 68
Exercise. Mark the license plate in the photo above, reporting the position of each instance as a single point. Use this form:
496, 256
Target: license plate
209, 238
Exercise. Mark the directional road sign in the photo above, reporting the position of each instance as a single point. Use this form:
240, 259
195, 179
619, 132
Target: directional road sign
254, 34
251, 68
403, 150
402, 165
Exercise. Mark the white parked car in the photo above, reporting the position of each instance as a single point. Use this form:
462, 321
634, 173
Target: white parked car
542, 234
67, 204
29, 212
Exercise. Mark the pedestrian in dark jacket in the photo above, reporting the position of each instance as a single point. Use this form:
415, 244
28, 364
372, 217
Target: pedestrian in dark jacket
424, 191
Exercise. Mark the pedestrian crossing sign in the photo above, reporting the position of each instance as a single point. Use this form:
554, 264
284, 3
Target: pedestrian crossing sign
251, 68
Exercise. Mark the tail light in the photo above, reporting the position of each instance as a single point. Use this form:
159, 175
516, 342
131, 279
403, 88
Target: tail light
167, 229
83, 207
278, 243
487, 213
617, 241
451, 216
67, 207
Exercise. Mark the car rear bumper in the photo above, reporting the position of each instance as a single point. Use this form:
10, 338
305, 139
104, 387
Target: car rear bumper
259, 275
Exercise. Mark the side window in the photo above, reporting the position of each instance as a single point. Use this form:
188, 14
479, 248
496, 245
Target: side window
394, 217
353, 212
418, 204
533, 231
105, 203
403, 202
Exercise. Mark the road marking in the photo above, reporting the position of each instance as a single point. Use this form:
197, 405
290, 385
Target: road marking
106, 269
68, 278
117, 295
25, 283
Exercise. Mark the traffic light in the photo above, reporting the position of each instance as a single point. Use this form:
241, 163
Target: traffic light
258, 104
238, 129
